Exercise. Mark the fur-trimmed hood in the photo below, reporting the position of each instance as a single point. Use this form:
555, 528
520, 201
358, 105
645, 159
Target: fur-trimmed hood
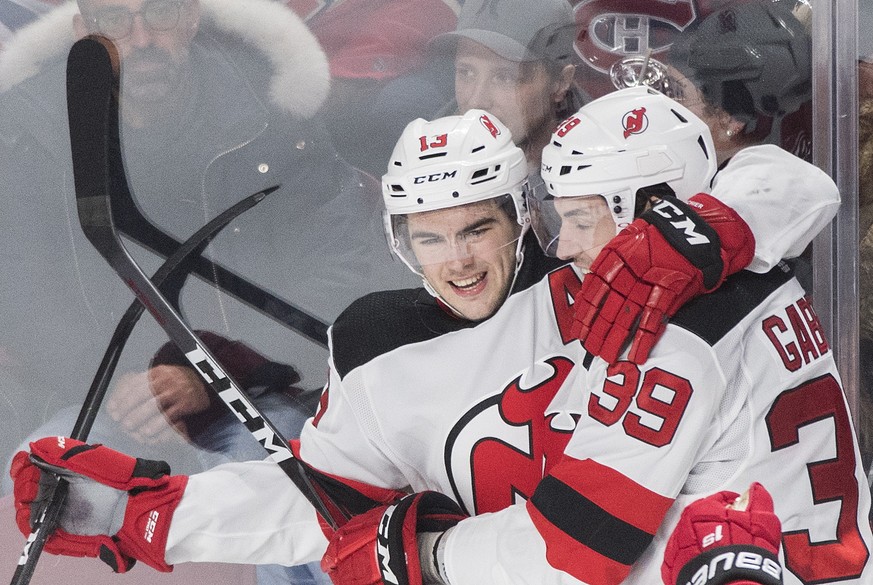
300, 75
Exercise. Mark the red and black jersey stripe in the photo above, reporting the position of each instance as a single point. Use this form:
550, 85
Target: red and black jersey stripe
595, 521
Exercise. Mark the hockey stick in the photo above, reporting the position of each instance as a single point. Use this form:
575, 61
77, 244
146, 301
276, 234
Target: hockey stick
125, 326
139, 228
98, 175
48, 518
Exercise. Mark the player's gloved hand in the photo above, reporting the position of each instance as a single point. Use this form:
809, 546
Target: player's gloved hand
118, 508
382, 546
669, 255
725, 524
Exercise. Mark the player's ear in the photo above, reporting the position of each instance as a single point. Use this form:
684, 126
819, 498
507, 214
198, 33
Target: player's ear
562, 83
726, 127
735, 127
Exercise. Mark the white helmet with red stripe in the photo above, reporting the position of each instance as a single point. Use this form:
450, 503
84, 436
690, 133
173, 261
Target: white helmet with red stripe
448, 162
625, 141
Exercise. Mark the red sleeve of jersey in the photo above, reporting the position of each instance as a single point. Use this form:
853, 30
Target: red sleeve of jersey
345, 497
595, 521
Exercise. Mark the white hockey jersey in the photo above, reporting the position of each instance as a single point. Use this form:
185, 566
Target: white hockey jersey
573, 470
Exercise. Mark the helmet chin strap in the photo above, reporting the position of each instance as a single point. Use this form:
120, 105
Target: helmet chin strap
440, 300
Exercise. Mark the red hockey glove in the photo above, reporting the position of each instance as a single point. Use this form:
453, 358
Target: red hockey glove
118, 508
381, 546
724, 539
666, 257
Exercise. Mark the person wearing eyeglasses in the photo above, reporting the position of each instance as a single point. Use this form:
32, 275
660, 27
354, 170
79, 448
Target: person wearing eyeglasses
218, 100
153, 39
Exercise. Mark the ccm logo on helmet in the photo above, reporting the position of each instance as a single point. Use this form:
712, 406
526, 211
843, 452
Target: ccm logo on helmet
745, 563
635, 122
434, 177
677, 218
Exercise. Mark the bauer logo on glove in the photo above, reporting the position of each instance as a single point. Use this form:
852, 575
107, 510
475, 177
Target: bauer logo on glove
725, 539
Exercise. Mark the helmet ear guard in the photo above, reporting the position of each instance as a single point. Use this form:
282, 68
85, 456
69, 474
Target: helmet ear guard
629, 142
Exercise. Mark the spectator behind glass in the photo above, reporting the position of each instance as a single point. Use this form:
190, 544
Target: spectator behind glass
745, 69
217, 103
514, 59
381, 74
742, 69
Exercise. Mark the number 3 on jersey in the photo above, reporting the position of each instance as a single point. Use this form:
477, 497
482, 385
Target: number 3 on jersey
831, 480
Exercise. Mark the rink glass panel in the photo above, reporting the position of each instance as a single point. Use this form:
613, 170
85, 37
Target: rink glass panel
317, 244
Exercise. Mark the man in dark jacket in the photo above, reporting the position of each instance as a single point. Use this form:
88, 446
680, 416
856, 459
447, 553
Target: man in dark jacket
218, 101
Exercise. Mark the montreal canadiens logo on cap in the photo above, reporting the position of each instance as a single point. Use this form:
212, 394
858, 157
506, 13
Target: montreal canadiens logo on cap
635, 122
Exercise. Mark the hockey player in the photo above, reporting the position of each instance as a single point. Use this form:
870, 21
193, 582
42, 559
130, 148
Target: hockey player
420, 400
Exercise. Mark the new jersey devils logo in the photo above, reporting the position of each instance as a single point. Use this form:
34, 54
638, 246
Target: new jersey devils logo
489, 125
500, 450
635, 122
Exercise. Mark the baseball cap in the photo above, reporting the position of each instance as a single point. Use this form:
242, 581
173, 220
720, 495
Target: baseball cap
518, 30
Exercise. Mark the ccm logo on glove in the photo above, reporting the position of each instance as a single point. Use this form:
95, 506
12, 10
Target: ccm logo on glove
383, 551
677, 218
151, 524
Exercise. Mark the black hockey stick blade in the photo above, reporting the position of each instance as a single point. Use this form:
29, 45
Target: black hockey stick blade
98, 175
190, 248
139, 228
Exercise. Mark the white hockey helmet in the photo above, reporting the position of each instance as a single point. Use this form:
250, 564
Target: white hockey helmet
449, 162
626, 141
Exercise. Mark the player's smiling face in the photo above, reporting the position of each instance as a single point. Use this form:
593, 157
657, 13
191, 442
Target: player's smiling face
467, 254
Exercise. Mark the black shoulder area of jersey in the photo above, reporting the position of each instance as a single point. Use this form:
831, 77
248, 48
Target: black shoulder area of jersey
713, 315
536, 264
383, 321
